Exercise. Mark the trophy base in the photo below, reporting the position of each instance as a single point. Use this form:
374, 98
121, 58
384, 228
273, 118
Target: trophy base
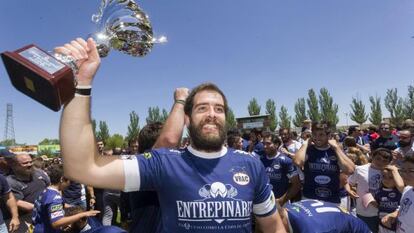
40, 76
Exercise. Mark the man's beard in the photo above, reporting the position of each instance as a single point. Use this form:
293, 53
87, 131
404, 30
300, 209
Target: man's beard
206, 142
404, 144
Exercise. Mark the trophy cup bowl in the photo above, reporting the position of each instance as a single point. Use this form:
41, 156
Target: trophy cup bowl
50, 80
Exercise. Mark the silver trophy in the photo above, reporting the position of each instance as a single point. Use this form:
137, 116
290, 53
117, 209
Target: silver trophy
49, 78
123, 26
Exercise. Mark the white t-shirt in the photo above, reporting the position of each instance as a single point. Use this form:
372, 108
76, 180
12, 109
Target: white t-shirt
367, 180
406, 213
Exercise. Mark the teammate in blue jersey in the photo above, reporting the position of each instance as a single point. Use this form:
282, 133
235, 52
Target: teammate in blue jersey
279, 167
205, 188
48, 213
322, 160
313, 216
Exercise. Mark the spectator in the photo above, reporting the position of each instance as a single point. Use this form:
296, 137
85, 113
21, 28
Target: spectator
322, 160
282, 172
386, 139
48, 213
405, 146
355, 132
367, 178
27, 184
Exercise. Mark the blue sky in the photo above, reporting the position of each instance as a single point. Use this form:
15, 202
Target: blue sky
264, 49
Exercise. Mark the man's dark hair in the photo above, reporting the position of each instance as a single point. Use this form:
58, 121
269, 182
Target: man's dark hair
70, 211
352, 129
283, 129
231, 139
55, 173
257, 132
189, 103
373, 128
384, 153
148, 136
273, 137
321, 125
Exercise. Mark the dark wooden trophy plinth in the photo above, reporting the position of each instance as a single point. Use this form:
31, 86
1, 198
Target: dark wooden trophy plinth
40, 76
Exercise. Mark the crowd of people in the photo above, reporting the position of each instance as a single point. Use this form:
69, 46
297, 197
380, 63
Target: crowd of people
216, 180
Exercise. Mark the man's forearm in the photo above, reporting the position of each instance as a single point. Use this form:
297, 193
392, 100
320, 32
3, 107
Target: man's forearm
346, 165
12, 205
173, 128
299, 158
24, 205
82, 160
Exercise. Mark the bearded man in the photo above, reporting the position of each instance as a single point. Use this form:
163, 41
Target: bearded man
203, 188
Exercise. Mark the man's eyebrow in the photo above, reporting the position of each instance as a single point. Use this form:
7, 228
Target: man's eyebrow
205, 103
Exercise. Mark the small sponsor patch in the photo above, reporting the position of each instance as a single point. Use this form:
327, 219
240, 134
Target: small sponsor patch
276, 166
60, 213
147, 155
322, 179
332, 158
55, 208
241, 178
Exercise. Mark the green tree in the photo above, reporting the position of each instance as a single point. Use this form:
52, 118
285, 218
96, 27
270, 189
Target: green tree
300, 112
133, 127
103, 132
395, 105
94, 126
155, 115
253, 107
376, 112
329, 110
48, 141
285, 119
231, 122
271, 110
8, 142
114, 141
313, 108
358, 111
409, 103
48, 152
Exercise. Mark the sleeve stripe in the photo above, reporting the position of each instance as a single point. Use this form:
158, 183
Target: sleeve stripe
131, 174
265, 207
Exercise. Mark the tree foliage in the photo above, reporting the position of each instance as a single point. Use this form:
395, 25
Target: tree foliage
230, 119
48, 141
103, 133
395, 105
376, 112
358, 113
253, 107
94, 126
133, 127
409, 103
285, 119
313, 108
329, 110
155, 115
8, 142
300, 112
115, 141
271, 110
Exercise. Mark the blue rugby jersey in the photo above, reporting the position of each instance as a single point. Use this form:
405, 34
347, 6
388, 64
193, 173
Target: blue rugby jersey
321, 171
217, 192
48, 208
314, 216
279, 169
388, 201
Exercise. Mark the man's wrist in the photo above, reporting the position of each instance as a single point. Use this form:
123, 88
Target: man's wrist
179, 101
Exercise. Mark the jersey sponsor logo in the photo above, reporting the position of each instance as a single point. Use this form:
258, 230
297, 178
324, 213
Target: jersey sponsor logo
392, 195
323, 192
241, 178
276, 166
218, 204
332, 158
323, 167
57, 214
57, 197
57, 207
147, 155
322, 179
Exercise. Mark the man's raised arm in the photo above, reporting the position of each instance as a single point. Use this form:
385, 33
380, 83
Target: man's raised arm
82, 162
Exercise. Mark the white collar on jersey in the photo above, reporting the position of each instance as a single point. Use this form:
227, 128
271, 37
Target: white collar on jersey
206, 155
